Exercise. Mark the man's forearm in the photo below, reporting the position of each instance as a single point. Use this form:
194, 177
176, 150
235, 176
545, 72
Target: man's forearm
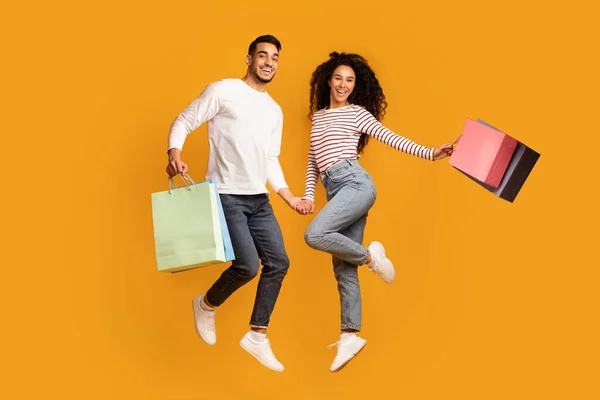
287, 195
174, 154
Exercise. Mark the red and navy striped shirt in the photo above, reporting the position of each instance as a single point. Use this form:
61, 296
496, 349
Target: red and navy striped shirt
334, 137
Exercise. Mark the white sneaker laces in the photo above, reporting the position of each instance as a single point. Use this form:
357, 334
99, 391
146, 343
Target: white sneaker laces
377, 268
338, 344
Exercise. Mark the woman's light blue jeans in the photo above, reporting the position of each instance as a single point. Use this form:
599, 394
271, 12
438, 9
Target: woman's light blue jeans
339, 228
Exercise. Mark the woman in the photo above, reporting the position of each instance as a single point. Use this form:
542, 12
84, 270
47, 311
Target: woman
346, 104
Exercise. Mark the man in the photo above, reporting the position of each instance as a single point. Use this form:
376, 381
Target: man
244, 132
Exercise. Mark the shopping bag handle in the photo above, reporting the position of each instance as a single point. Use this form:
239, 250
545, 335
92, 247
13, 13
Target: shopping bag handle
189, 182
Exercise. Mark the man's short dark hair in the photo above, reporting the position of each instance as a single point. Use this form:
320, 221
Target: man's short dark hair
264, 39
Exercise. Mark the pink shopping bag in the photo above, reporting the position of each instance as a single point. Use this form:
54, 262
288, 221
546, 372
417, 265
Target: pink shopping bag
483, 153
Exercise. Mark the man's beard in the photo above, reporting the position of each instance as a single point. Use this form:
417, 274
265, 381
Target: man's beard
260, 79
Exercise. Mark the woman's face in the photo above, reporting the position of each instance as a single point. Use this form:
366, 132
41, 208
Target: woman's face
342, 84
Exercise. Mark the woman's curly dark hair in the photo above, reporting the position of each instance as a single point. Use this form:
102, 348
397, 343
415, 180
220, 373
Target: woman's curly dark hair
367, 91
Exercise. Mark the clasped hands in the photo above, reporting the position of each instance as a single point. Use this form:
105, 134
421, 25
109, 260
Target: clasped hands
303, 207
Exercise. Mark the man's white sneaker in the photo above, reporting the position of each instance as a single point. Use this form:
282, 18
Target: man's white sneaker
380, 264
205, 321
261, 350
346, 350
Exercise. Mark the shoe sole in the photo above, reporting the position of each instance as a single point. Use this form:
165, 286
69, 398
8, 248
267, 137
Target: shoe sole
393, 268
196, 325
249, 351
380, 247
350, 359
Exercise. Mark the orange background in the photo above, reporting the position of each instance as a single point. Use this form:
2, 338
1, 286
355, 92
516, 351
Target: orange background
492, 300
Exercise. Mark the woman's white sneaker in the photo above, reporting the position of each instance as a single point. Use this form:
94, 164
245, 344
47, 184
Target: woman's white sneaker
380, 264
346, 350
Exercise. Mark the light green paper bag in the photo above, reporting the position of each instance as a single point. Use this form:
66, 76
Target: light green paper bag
187, 229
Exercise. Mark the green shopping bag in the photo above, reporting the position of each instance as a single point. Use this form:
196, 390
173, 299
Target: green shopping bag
187, 227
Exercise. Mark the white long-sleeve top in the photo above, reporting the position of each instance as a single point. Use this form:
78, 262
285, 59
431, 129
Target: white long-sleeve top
244, 133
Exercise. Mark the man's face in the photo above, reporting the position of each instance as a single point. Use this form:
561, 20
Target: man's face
263, 63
